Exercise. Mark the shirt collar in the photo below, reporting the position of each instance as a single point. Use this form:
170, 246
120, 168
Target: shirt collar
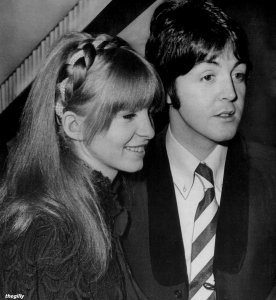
183, 164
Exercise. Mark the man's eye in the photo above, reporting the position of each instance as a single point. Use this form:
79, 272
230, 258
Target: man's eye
208, 77
129, 116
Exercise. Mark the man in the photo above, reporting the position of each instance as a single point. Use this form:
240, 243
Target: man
203, 211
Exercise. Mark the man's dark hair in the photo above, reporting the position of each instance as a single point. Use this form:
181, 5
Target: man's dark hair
185, 33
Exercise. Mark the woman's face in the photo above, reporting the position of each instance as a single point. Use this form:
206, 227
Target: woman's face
122, 146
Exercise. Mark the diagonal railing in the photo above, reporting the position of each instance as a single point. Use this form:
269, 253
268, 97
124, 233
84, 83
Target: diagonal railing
77, 19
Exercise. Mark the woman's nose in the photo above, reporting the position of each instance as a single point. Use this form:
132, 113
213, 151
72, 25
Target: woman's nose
145, 127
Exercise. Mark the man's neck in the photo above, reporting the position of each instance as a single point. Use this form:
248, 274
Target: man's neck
199, 146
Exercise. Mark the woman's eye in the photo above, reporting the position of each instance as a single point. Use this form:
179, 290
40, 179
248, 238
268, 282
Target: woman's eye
129, 116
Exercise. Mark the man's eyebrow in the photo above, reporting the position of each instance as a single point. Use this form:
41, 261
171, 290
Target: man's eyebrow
212, 60
209, 61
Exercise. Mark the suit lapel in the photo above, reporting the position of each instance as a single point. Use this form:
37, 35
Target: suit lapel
232, 229
166, 246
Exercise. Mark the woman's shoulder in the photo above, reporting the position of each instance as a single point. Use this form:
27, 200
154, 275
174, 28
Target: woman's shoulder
41, 242
41, 260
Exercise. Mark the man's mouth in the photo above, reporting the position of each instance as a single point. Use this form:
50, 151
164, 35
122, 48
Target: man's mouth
226, 114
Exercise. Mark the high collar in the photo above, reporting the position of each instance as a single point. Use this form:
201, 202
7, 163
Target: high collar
116, 215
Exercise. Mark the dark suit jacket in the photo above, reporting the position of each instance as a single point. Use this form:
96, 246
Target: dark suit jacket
245, 250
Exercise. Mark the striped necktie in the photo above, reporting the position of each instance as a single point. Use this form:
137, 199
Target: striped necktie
202, 279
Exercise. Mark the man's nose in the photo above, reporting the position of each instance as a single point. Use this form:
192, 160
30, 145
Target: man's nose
229, 90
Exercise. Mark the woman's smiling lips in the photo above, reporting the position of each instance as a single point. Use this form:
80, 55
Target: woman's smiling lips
137, 149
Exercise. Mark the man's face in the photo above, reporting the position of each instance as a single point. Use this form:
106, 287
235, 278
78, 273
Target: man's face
211, 99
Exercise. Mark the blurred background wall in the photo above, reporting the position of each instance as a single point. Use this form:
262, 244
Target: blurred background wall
23, 24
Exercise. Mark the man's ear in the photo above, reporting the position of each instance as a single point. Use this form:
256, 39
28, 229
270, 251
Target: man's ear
168, 99
73, 125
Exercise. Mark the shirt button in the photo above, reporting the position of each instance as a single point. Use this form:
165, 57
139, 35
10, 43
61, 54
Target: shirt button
178, 294
184, 189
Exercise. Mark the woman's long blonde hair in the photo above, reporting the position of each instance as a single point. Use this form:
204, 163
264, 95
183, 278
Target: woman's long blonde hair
44, 176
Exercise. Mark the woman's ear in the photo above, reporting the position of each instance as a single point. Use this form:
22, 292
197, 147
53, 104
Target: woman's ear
73, 125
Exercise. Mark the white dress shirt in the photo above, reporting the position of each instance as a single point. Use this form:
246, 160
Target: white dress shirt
189, 189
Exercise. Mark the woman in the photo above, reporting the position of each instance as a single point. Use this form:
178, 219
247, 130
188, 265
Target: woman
87, 117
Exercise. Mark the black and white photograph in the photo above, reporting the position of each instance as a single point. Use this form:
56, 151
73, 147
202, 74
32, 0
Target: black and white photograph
137, 149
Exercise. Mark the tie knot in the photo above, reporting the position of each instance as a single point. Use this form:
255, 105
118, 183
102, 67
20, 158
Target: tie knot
206, 172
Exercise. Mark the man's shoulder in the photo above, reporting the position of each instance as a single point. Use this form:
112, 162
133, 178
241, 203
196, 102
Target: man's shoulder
260, 163
261, 156
261, 151
253, 152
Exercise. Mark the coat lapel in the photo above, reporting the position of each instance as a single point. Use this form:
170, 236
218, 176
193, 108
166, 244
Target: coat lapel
232, 229
166, 246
